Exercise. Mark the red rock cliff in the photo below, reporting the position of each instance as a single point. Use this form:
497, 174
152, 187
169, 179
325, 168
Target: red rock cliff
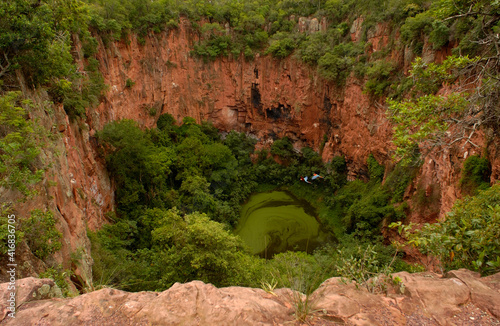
266, 97
269, 98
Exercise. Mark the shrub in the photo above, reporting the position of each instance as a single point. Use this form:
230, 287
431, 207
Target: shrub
213, 47
379, 75
364, 215
60, 277
333, 67
6, 235
336, 64
41, 234
89, 46
283, 147
282, 46
375, 170
165, 121
398, 180
475, 174
364, 269
439, 36
152, 111
415, 27
468, 238
19, 146
129, 83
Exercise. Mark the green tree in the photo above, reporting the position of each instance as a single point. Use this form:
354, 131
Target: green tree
19, 146
471, 105
194, 247
423, 123
281, 45
469, 237
335, 65
139, 169
35, 37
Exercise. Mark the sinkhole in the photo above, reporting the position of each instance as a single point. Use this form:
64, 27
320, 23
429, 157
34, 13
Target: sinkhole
277, 221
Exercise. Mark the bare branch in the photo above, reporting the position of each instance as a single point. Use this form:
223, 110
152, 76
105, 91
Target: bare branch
4, 69
468, 13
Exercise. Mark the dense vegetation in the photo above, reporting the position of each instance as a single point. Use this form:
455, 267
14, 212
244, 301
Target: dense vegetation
468, 238
179, 187
179, 191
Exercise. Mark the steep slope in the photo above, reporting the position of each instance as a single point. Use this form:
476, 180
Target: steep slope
270, 98
266, 97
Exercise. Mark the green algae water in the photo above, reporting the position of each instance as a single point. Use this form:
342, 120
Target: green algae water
274, 222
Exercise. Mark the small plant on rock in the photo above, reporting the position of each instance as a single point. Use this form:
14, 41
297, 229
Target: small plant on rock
42, 236
364, 269
129, 83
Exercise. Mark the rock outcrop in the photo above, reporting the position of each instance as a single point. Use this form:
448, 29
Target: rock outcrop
459, 298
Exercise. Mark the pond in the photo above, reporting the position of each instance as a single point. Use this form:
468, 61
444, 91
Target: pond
277, 221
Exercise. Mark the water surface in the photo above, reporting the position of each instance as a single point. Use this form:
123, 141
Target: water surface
274, 222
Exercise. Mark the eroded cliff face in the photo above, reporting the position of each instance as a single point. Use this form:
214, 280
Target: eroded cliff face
272, 98
265, 97
76, 189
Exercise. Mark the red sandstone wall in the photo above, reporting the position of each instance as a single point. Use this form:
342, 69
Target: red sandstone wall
265, 97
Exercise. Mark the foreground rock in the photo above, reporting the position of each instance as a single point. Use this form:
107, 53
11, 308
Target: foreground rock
459, 298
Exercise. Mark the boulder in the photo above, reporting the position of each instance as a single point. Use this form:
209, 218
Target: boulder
459, 298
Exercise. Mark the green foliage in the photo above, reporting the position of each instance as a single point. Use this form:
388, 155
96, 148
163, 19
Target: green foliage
180, 189
165, 122
429, 77
115, 18
241, 146
213, 47
295, 270
423, 122
196, 248
281, 46
364, 215
338, 174
140, 170
60, 277
188, 167
375, 170
182, 248
129, 83
152, 111
19, 146
475, 174
379, 77
336, 64
439, 36
414, 30
299, 272
41, 235
363, 206
36, 38
364, 269
283, 148
468, 238
398, 180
